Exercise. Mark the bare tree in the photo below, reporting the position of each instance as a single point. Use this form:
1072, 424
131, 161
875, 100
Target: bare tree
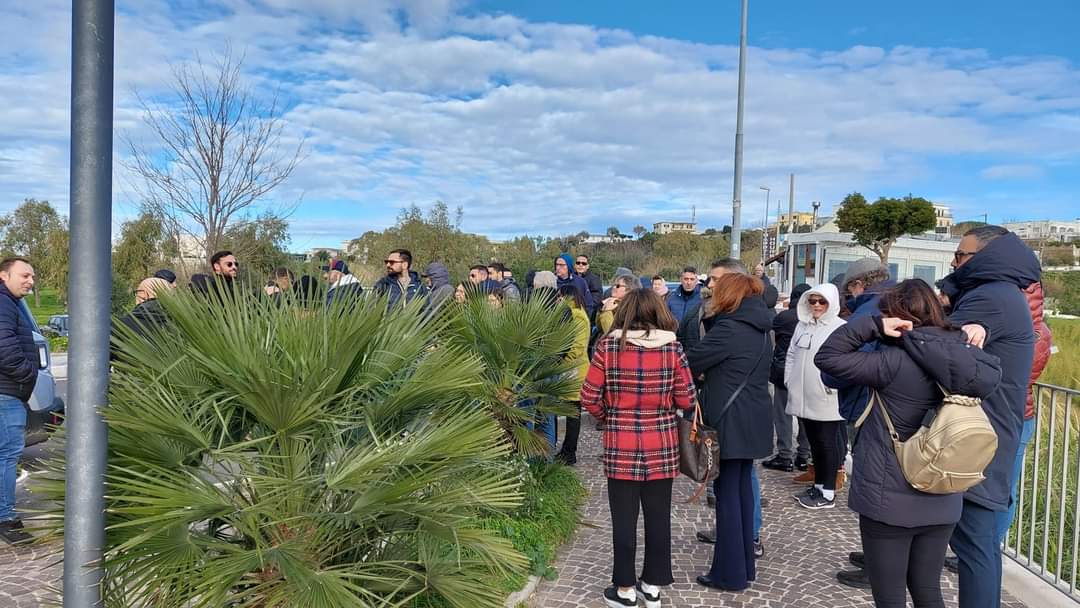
218, 152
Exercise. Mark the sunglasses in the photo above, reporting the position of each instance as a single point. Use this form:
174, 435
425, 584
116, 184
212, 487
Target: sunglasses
960, 254
817, 302
391, 262
232, 264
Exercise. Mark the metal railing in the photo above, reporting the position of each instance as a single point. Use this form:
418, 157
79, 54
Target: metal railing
1045, 533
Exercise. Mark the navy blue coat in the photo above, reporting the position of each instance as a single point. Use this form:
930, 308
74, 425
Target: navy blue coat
392, 288
737, 347
679, 302
986, 290
905, 372
18, 353
854, 398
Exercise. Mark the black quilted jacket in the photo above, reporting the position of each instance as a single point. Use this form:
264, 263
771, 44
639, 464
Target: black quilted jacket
18, 354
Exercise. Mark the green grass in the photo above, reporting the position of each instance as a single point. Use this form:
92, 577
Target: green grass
545, 521
1064, 366
50, 305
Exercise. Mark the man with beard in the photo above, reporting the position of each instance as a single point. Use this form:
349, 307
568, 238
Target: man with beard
401, 284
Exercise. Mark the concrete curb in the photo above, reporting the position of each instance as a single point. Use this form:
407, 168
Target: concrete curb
523, 594
58, 365
1030, 588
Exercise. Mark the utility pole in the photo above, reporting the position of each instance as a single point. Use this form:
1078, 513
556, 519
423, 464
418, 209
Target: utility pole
791, 204
92, 26
736, 199
765, 225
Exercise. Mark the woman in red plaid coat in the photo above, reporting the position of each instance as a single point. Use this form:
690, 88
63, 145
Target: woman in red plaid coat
638, 378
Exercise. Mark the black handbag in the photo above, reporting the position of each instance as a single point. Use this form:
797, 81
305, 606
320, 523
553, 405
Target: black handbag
699, 444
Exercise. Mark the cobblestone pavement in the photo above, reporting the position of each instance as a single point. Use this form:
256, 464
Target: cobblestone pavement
803, 550
29, 576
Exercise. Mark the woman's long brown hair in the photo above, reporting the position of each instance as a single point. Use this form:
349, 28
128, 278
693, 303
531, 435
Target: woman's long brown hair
729, 291
642, 309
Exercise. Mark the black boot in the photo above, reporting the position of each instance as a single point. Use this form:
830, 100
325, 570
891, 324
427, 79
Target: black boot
777, 463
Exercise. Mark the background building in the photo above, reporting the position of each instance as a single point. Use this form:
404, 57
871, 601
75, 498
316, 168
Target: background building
1064, 231
669, 227
944, 219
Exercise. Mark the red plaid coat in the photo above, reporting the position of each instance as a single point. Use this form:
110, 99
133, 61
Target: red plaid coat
635, 392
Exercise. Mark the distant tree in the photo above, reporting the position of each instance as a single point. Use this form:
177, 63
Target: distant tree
260, 244
323, 256
877, 226
613, 231
710, 232
54, 268
218, 151
640, 231
140, 250
26, 233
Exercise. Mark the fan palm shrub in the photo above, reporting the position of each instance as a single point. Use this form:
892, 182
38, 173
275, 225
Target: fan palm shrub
270, 456
525, 375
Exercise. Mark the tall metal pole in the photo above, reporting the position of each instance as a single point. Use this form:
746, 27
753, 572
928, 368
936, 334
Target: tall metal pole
791, 204
765, 225
736, 199
90, 289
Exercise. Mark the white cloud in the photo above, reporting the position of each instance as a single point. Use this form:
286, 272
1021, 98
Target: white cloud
1018, 171
540, 127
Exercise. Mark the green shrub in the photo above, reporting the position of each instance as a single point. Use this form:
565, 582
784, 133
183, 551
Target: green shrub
270, 456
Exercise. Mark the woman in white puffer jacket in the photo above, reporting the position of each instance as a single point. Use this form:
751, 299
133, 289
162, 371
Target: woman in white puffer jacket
816, 406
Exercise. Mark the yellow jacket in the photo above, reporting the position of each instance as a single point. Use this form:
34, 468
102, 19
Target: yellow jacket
579, 350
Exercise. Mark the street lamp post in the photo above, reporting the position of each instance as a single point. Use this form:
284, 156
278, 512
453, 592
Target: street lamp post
815, 205
765, 225
736, 202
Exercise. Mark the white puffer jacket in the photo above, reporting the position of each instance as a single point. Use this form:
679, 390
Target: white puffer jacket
807, 395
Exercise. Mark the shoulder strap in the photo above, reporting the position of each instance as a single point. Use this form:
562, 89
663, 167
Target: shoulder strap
875, 398
742, 385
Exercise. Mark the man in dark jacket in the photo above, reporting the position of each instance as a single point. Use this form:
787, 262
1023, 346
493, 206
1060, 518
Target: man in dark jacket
343, 285
992, 266
584, 270
687, 296
497, 273
437, 278
18, 374
783, 326
401, 284
564, 275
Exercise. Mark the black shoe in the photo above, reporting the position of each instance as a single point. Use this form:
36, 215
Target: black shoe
802, 463
777, 463
815, 500
567, 459
706, 581
12, 532
651, 600
857, 559
708, 537
614, 600
759, 550
952, 564
711, 501
858, 579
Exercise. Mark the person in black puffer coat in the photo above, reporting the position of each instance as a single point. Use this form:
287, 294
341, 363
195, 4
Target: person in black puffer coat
904, 531
783, 326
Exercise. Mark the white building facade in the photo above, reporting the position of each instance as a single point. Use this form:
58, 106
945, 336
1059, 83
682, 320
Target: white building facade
1046, 230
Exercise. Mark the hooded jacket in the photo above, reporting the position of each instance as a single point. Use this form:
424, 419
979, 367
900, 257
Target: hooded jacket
579, 349
987, 290
1044, 341
808, 397
18, 353
737, 348
679, 301
905, 372
576, 281
396, 297
783, 326
510, 290
347, 286
441, 289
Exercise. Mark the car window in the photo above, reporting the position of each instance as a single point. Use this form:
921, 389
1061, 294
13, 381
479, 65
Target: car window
25, 310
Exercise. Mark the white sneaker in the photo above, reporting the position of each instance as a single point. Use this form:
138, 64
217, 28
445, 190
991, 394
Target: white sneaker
649, 593
614, 599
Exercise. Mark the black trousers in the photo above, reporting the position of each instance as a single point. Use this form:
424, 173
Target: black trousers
573, 431
654, 498
899, 560
825, 441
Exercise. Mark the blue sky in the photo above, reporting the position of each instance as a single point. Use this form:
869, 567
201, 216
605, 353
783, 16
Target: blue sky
557, 116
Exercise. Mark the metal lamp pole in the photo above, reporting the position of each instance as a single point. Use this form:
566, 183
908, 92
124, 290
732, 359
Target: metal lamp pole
736, 203
765, 224
91, 260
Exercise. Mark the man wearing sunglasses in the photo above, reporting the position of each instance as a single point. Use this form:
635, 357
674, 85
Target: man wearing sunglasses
565, 275
583, 268
226, 270
401, 284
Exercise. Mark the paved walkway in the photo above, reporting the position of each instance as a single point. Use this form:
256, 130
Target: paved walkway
803, 550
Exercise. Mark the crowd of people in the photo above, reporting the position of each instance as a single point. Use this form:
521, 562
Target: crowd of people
783, 389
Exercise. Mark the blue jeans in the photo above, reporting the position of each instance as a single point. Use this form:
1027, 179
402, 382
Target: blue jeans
12, 441
756, 489
979, 558
1005, 518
